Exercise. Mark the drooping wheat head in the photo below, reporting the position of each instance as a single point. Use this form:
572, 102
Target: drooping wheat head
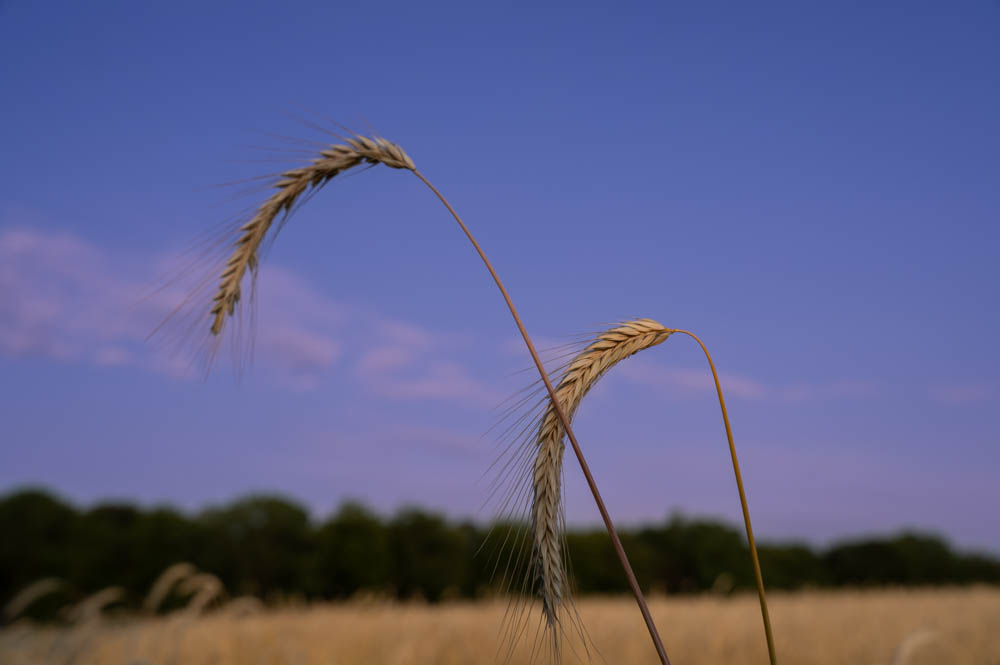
27, 596
548, 561
244, 606
90, 608
165, 583
610, 348
291, 185
203, 588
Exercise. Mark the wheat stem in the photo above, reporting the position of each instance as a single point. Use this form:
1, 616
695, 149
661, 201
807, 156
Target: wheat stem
743, 502
565, 422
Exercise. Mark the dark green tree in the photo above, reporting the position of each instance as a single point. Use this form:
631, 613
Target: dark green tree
40, 533
792, 566
352, 553
427, 555
259, 545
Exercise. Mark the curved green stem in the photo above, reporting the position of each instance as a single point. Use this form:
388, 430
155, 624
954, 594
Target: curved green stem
743, 502
615, 541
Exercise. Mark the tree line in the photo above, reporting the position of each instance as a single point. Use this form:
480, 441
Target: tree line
268, 546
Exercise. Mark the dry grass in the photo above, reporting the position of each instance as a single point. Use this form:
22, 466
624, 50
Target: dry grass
244, 606
813, 628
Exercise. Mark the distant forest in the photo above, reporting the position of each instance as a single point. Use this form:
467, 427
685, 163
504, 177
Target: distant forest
269, 547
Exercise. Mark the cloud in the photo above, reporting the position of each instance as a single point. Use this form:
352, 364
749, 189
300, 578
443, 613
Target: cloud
743, 387
681, 379
961, 393
113, 356
65, 299
411, 363
404, 335
438, 381
385, 359
832, 390
440, 439
54, 289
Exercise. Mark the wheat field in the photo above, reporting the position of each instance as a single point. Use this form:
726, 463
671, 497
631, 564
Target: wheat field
812, 628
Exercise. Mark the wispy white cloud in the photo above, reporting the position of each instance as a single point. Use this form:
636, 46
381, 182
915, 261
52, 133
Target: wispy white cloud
961, 393
681, 379
385, 359
441, 439
833, 390
440, 381
408, 362
65, 299
743, 387
404, 334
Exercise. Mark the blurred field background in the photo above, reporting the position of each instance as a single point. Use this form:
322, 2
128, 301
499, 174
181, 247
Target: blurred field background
812, 628
268, 584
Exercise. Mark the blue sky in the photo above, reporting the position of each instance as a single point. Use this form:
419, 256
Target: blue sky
812, 189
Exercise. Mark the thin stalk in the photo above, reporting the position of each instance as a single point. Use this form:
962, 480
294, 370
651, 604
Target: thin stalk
743, 503
615, 541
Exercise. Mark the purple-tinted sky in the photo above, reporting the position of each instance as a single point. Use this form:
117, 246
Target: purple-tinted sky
812, 189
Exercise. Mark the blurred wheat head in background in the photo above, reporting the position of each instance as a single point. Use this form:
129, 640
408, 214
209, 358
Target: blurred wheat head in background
27, 596
165, 583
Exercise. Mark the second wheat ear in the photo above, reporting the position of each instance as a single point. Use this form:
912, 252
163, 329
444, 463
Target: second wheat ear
291, 186
579, 376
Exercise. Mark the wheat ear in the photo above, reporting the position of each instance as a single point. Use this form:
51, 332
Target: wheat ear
165, 582
584, 370
610, 348
291, 186
204, 588
244, 606
90, 608
24, 598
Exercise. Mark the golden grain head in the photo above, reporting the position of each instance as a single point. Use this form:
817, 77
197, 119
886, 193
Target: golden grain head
167, 580
583, 371
29, 594
291, 185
